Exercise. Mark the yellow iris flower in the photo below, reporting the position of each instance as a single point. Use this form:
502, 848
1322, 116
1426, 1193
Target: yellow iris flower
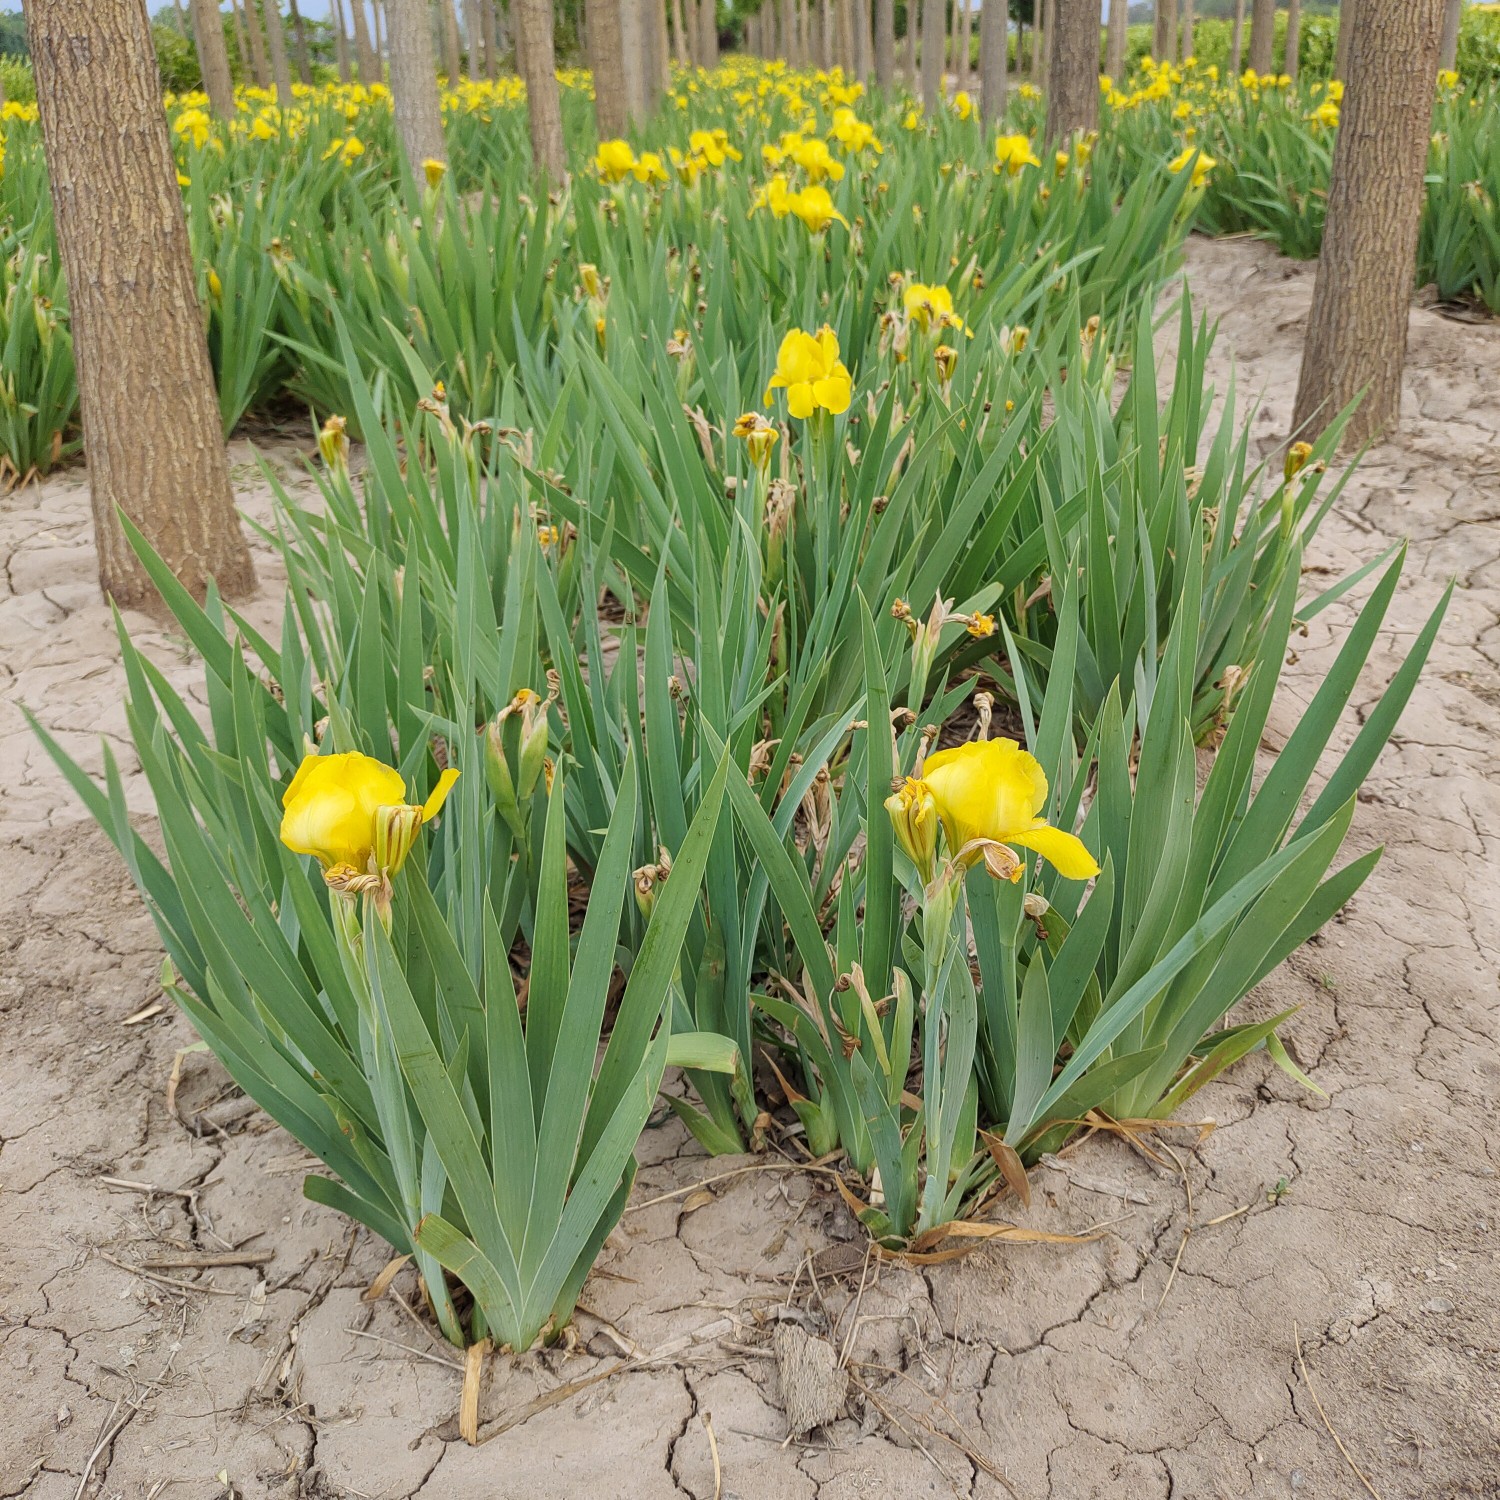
809, 370
993, 791
930, 306
815, 208
330, 808
1202, 166
1013, 152
649, 168
614, 160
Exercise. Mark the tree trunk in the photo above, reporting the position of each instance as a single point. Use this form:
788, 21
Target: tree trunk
864, 40
1189, 45
1448, 50
992, 61
964, 52
1047, 24
260, 64
150, 418
708, 19
661, 51
1119, 22
281, 71
1293, 38
488, 23
634, 58
369, 72
453, 48
885, 44
299, 44
340, 41
932, 52
241, 46
1073, 76
213, 58
843, 21
911, 46
1237, 37
474, 38
605, 36
380, 40
1164, 32
1356, 331
1263, 35
539, 70
414, 90
681, 42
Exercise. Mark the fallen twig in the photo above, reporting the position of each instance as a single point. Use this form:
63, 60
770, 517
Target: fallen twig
1339, 1442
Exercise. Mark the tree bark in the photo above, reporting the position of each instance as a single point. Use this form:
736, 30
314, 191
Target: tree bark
992, 61
932, 52
488, 25
414, 90
708, 22
911, 46
963, 52
340, 41
1448, 49
281, 70
453, 47
1189, 45
474, 38
1119, 23
1356, 330
364, 55
1293, 38
634, 58
681, 42
535, 44
885, 44
150, 417
380, 40
299, 44
241, 46
1046, 25
1073, 76
213, 58
260, 64
1164, 32
864, 40
1263, 35
1237, 37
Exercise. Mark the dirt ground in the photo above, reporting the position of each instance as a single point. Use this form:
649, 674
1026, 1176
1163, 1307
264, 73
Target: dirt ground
1348, 1315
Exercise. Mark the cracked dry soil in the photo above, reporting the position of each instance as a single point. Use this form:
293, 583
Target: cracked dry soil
1030, 1371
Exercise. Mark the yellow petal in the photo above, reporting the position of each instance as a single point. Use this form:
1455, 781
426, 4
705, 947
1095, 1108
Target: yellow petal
799, 400
434, 804
1065, 851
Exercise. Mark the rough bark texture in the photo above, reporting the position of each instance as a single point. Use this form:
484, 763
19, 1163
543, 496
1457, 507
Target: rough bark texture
604, 40
911, 44
1119, 37
633, 57
864, 40
1164, 32
414, 90
539, 70
299, 43
932, 52
682, 47
1047, 18
1189, 43
1293, 38
1448, 50
213, 57
1073, 76
150, 418
364, 53
885, 43
453, 47
281, 68
992, 62
1262, 35
1237, 37
1356, 332
661, 51
962, 52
